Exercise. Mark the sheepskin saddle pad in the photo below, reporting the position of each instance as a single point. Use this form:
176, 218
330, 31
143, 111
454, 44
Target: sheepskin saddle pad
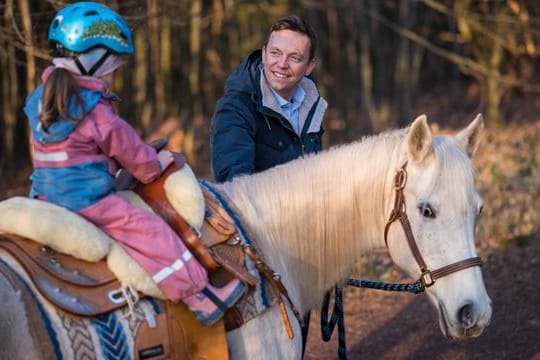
59, 231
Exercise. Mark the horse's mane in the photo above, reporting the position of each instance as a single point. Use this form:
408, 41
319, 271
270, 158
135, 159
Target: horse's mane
319, 184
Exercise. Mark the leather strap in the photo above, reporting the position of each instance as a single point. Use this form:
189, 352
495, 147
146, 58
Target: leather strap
154, 195
278, 288
457, 266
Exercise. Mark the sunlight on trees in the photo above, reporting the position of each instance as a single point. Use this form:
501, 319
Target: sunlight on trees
379, 63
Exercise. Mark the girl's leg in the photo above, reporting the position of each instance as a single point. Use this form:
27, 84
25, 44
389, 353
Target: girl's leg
153, 244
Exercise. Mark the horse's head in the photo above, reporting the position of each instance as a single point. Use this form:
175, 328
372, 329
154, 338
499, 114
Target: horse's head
442, 206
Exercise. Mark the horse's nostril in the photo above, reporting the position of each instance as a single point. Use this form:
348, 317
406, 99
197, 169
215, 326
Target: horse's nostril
466, 315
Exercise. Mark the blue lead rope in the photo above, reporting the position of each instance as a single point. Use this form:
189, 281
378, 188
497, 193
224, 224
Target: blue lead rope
327, 327
415, 288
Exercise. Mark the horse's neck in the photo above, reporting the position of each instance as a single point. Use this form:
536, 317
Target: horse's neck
313, 218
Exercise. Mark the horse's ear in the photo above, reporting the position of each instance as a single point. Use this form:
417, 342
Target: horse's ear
470, 137
419, 140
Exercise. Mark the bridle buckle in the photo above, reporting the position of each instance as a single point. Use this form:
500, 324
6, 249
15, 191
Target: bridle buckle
426, 278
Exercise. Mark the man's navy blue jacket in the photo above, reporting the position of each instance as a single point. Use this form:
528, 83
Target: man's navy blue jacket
250, 132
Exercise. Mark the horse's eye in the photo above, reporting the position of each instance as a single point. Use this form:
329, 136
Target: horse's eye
426, 210
480, 209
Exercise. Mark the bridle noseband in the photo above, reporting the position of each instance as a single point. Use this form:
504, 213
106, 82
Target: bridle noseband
427, 277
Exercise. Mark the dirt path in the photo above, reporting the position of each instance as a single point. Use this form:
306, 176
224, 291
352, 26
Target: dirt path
381, 325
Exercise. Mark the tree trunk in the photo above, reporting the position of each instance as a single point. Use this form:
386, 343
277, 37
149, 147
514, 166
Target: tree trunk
140, 78
10, 101
167, 103
493, 86
382, 65
194, 78
155, 73
29, 42
401, 72
366, 72
195, 53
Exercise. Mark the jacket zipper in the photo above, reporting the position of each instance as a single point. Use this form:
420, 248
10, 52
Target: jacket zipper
302, 146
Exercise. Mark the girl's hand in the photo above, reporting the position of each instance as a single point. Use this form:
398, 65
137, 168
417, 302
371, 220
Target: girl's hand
165, 158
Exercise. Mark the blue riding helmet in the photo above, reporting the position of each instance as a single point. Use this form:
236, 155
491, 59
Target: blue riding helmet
82, 26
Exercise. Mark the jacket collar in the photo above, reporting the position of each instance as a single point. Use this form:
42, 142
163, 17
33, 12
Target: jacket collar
312, 98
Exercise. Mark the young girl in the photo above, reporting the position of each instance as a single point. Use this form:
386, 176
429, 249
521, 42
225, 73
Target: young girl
79, 142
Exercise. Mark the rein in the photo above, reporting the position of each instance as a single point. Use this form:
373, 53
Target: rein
427, 277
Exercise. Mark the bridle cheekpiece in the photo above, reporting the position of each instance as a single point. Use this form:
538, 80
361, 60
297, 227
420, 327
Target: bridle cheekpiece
427, 277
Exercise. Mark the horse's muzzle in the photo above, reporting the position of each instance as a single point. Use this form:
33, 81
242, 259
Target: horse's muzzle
469, 322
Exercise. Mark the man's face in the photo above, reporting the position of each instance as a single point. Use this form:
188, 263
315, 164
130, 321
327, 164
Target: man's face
286, 61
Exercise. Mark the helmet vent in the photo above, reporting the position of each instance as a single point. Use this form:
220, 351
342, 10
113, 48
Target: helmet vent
91, 13
55, 23
124, 37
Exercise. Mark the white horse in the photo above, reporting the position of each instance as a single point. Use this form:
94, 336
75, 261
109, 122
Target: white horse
313, 218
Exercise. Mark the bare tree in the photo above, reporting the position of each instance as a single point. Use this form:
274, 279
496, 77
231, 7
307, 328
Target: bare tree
10, 92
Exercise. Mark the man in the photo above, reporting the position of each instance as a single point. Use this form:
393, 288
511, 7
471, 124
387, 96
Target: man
271, 112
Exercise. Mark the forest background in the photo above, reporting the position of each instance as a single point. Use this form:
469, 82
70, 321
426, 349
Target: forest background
380, 63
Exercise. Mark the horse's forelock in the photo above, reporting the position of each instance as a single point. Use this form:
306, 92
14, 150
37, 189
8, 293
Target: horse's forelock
455, 171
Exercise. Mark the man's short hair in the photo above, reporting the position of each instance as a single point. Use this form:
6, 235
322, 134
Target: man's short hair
295, 23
